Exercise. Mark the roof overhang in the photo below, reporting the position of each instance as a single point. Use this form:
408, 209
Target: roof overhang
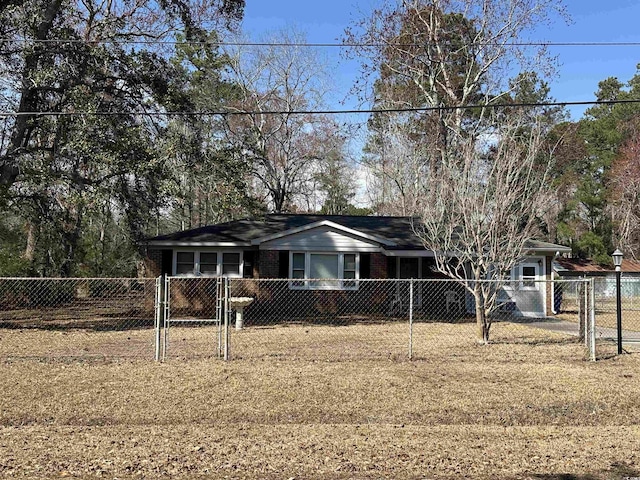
557, 250
186, 243
409, 253
324, 223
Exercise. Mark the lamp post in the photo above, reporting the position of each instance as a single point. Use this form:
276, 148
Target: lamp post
617, 261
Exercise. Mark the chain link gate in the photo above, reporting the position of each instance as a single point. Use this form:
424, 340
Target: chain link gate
196, 307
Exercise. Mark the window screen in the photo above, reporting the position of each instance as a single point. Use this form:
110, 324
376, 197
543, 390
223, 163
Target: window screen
297, 268
185, 262
231, 263
529, 274
208, 263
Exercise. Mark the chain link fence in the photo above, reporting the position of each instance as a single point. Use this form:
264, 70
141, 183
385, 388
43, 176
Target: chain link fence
606, 312
51, 318
361, 319
333, 320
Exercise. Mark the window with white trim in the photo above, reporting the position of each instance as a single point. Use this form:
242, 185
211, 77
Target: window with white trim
329, 271
185, 263
528, 276
208, 263
231, 263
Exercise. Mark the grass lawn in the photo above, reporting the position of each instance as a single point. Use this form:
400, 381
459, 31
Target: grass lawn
528, 406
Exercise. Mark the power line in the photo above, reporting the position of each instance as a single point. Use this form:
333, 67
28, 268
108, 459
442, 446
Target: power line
224, 113
313, 45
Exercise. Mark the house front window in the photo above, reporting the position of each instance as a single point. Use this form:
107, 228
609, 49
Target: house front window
529, 276
231, 263
324, 271
185, 263
208, 263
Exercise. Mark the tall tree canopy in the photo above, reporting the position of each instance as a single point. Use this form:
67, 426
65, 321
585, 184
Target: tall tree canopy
82, 182
474, 177
594, 174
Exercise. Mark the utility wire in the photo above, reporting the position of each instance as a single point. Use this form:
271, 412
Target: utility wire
315, 45
322, 112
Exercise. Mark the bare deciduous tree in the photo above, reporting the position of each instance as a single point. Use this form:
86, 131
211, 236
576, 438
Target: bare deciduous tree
475, 175
278, 146
481, 208
625, 192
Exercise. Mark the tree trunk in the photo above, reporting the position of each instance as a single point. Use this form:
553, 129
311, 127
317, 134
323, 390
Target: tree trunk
9, 170
483, 323
30, 249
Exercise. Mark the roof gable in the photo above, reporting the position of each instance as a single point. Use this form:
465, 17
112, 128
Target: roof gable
324, 223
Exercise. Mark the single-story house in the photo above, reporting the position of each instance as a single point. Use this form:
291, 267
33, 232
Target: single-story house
348, 248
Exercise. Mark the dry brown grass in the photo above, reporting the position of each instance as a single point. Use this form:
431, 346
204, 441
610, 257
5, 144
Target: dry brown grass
528, 406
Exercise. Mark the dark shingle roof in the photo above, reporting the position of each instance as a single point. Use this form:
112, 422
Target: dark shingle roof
395, 229
398, 230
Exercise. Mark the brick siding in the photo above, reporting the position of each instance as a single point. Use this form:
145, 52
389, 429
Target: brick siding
268, 263
153, 263
378, 265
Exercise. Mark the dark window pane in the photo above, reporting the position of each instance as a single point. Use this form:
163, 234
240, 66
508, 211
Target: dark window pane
230, 269
185, 257
283, 264
365, 265
298, 261
231, 258
208, 258
184, 268
208, 268
185, 263
350, 262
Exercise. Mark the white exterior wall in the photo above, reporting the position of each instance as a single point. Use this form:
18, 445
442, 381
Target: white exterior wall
321, 239
529, 301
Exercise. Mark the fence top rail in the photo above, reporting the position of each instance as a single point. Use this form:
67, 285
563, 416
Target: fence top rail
381, 280
78, 279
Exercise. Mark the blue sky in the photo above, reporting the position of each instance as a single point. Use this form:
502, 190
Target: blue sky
581, 68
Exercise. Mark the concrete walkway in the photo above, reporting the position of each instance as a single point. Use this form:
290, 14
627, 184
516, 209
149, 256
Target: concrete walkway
572, 328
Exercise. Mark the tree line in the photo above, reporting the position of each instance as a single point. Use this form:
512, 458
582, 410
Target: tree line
79, 193
81, 190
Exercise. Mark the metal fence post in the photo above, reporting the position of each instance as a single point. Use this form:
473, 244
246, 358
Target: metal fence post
226, 318
167, 306
410, 319
592, 320
159, 316
586, 286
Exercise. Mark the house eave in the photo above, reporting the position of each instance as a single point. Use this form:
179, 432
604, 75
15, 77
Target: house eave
182, 243
546, 250
408, 253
